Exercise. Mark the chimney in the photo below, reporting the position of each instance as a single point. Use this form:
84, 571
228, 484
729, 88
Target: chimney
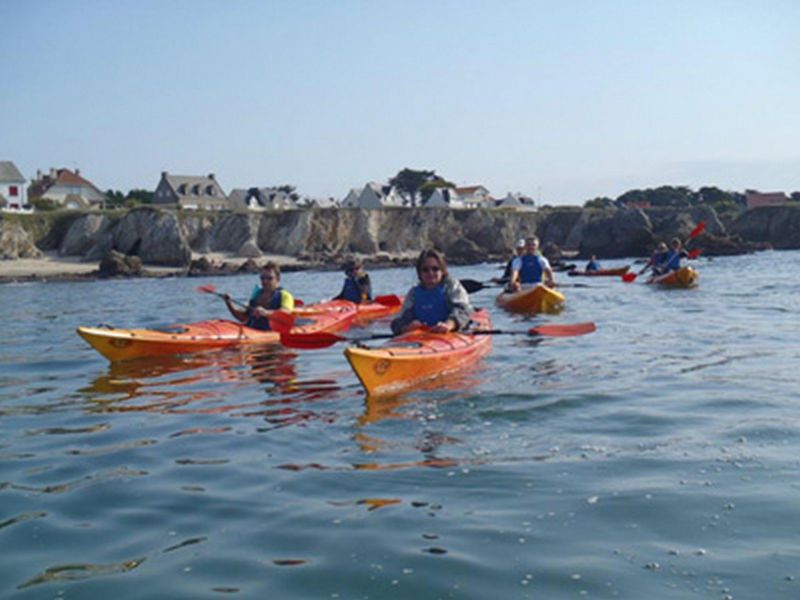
53, 173
163, 174
211, 176
77, 171
38, 174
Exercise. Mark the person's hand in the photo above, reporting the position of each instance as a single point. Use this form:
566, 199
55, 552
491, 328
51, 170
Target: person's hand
514, 287
442, 327
261, 311
413, 325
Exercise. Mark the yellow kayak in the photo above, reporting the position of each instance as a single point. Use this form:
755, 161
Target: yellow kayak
536, 299
685, 277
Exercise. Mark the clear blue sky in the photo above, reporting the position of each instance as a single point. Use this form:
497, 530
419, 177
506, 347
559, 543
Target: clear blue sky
562, 100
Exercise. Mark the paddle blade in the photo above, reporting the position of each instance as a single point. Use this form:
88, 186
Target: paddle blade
298, 302
629, 277
471, 285
281, 321
695, 253
699, 228
563, 330
389, 300
207, 289
310, 341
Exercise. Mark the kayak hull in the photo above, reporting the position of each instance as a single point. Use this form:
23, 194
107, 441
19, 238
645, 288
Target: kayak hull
365, 312
416, 357
685, 277
536, 299
126, 344
600, 272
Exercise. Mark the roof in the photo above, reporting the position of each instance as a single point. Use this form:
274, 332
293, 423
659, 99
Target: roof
469, 189
9, 173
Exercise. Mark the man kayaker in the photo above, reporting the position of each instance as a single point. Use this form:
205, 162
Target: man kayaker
265, 299
672, 262
519, 250
437, 302
592, 265
357, 287
658, 260
531, 268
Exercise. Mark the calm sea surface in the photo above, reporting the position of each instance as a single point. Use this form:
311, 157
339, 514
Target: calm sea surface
656, 458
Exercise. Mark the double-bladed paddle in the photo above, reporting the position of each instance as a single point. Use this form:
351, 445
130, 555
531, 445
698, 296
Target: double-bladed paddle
212, 289
323, 339
698, 229
472, 286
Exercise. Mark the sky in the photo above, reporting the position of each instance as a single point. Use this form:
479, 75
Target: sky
561, 100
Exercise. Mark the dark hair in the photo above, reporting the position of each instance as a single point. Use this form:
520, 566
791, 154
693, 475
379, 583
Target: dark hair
435, 254
272, 266
352, 264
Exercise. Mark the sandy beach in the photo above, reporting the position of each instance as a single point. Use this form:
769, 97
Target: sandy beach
51, 266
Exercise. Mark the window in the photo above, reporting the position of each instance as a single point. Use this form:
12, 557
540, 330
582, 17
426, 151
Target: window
196, 189
13, 191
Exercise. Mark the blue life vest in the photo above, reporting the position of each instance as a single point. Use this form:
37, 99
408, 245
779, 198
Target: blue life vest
673, 262
352, 291
430, 305
531, 270
592, 265
258, 322
660, 262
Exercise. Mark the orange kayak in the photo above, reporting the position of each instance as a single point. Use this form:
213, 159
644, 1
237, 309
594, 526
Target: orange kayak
685, 277
536, 299
600, 272
125, 344
418, 356
382, 306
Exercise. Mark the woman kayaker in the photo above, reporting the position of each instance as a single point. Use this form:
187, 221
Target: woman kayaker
357, 287
592, 265
658, 260
437, 302
265, 299
531, 268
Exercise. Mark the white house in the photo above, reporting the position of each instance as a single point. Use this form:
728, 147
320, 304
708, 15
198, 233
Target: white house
351, 200
12, 188
265, 198
375, 195
475, 196
516, 202
67, 188
191, 192
444, 198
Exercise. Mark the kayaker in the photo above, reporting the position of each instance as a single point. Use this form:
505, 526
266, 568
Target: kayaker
531, 268
676, 253
265, 299
519, 250
592, 265
658, 260
357, 287
437, 302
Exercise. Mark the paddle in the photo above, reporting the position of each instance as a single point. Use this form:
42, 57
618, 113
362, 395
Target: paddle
473, 286
698, 229
212, 289
323, 339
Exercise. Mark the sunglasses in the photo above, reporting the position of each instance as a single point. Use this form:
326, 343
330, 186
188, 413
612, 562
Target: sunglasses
267, 277
430, 269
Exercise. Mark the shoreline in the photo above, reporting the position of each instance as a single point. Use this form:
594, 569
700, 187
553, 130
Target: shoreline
52, 267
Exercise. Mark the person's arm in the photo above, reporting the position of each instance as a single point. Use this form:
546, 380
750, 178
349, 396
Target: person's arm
547, 272
460, 308
238, 314
406, 317
516, 265
648, 264
366, 289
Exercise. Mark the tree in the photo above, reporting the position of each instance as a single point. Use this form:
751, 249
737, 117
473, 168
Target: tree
115, 197
143, 196
599, 202
410, 182
429, 187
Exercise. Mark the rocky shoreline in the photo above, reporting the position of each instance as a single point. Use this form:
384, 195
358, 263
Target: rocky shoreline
151, 242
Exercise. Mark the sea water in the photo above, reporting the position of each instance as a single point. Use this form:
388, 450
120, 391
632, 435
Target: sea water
658, 457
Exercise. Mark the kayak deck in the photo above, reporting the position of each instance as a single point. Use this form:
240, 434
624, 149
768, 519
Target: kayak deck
536, 299
383, 306
685, 277
418, 356
600, 272
125, 344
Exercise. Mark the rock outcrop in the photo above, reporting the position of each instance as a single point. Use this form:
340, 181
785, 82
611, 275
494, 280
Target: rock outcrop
16, 242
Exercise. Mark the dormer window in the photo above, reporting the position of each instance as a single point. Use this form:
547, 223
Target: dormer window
210, 191
182, 189
196, 189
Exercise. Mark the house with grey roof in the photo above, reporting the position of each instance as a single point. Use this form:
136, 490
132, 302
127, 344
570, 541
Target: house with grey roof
12, 187
67, 188
376, 195
351, 199
265, 198
475, 196
516, 201
192, 192
444, 198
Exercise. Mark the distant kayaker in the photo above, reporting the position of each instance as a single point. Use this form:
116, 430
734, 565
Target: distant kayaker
265, 299
592, 265
437, 302
674, 256
531, 268
357, 287
658, 260
519, 250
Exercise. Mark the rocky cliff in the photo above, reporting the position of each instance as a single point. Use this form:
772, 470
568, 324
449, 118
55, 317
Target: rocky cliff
160, 237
